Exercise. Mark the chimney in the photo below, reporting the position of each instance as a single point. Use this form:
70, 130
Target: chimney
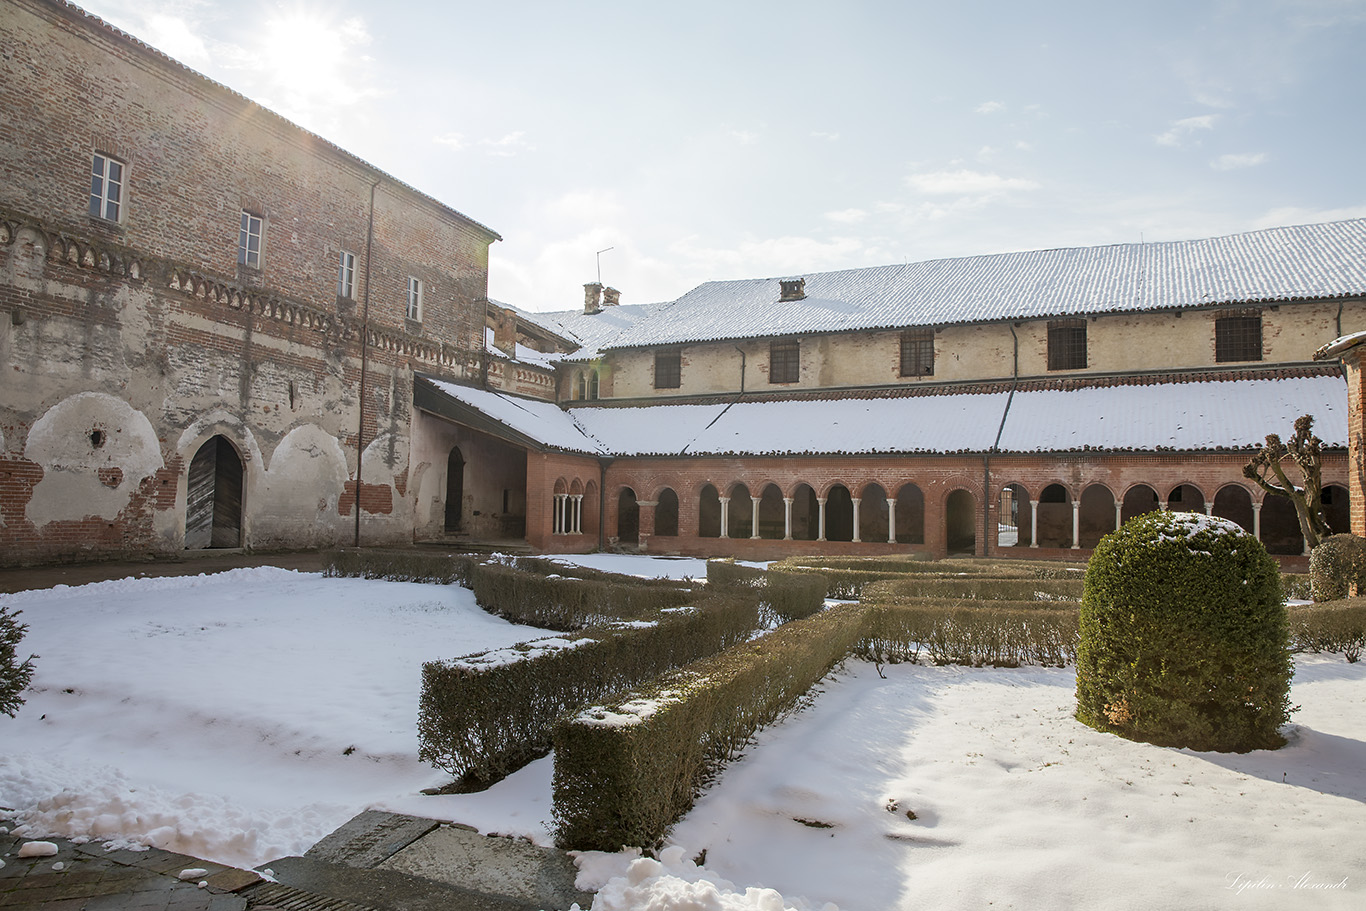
611, 297
592, 294
794, 289
505, 332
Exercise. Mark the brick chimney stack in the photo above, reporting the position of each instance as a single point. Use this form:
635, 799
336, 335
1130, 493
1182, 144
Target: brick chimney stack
592, 296
611, 297
793, 289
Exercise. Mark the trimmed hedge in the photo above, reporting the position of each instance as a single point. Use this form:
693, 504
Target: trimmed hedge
1334, 626
994, 634
1337, 566
626, 770
488, 714
568, 603
545, 567
784, 596
980, 588
400, 565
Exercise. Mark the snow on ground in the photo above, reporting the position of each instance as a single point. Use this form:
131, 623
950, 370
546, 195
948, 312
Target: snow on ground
212, 715
237, 717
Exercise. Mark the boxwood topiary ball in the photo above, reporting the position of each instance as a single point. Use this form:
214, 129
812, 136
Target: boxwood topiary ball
1184, 638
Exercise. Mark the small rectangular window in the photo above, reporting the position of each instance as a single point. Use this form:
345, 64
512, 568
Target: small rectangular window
1238, 336
249, 241
106, 187
917, 352
784, 362
414, 299
1067, 344
668, 370
346, 276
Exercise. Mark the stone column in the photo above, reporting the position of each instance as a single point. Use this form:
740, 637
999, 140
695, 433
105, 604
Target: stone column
820, 525
891, 521
577, 526
754, 518
1257, 521
1119, 514
646, 521
1033, 523
725, 516
856, 501
1076, 524
787, 518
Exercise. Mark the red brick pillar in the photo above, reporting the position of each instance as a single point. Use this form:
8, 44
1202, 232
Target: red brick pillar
1352, 350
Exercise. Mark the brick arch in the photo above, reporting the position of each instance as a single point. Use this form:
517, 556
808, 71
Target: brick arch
560, 486
1186, 504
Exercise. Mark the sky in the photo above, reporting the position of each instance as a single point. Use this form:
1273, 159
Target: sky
746, 139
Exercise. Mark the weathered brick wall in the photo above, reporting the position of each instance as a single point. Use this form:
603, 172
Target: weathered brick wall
126, 346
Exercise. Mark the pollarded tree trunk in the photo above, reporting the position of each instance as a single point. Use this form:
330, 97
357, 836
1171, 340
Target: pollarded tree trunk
1306, 451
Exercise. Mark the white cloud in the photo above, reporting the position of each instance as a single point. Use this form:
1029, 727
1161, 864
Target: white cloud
989, 107
453, 141
512, 144
765, 256
1181, 130
173, 36
745, 137
1299, 215
967, 183
831, 137
847, 216
1234, 162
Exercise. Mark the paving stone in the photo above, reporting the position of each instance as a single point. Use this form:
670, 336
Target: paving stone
371, 838
232, 880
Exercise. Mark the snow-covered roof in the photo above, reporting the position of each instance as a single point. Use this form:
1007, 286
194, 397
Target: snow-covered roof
1276, 264
1182, 416
590, 330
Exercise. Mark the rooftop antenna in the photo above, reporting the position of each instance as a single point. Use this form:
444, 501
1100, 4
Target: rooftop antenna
599, 256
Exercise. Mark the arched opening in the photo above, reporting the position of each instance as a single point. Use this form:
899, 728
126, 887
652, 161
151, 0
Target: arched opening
1097, 518
1186, 498
1055, 517
592, 510
839, 514
1137, 501
628, 517
961, 523
455, 489
593, 384
1013, 523
708, 513
1335, 509
1281, 526
740, 513
1234, 503
910, 515
213, 498
581, 387
772, 513
873, 514
666, 514
805, 514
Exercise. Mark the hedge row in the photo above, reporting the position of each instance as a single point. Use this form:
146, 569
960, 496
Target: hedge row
1332, 626
978, 588
995, 634
488, 714
784, 596
565, 602
400, 566
627, 769
544, 567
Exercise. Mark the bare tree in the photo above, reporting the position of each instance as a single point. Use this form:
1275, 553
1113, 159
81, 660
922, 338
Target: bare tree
1306, 451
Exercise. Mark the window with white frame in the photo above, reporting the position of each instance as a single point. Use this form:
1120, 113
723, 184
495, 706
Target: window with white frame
346, 275
249, 241
106, 187
414, 299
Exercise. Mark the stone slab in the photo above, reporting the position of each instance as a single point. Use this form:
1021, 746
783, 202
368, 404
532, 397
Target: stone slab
371, 838
494, 865
388, 889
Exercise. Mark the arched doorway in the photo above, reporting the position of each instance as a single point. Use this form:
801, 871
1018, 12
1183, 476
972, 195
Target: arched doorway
910, 515
213, 498
1281, 526
1234, 503
708, 513
1097, 515
873, 514
1013, 517
1137, 501
1335, 512
839, 514
961, 523
805, 513
1186, 498
740, 512
628, 517
666, 514
772, 513
455, 489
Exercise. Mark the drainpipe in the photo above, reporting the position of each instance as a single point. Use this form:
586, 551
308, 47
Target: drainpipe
364, 353
1339, 335
986, 459
742, 367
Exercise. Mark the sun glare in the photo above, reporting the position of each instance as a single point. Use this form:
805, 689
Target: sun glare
311, 58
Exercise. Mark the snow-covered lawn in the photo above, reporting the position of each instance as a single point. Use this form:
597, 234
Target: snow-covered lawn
215, 715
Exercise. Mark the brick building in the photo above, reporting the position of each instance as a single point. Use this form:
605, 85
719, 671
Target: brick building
1017, 404
209, 318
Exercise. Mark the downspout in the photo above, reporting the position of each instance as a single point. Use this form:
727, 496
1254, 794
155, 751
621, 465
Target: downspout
1339, 335
742, 367
364, 354
995, 446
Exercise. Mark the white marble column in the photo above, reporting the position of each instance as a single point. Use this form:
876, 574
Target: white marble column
891, 521
787, 518
725, 516
754, 518
821, 524
1033, 523
856, 501
1076, 524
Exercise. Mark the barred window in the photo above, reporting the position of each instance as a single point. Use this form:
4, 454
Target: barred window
106, 187
917, 352
1238, 336
668, 370
784, 362
1067, 344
